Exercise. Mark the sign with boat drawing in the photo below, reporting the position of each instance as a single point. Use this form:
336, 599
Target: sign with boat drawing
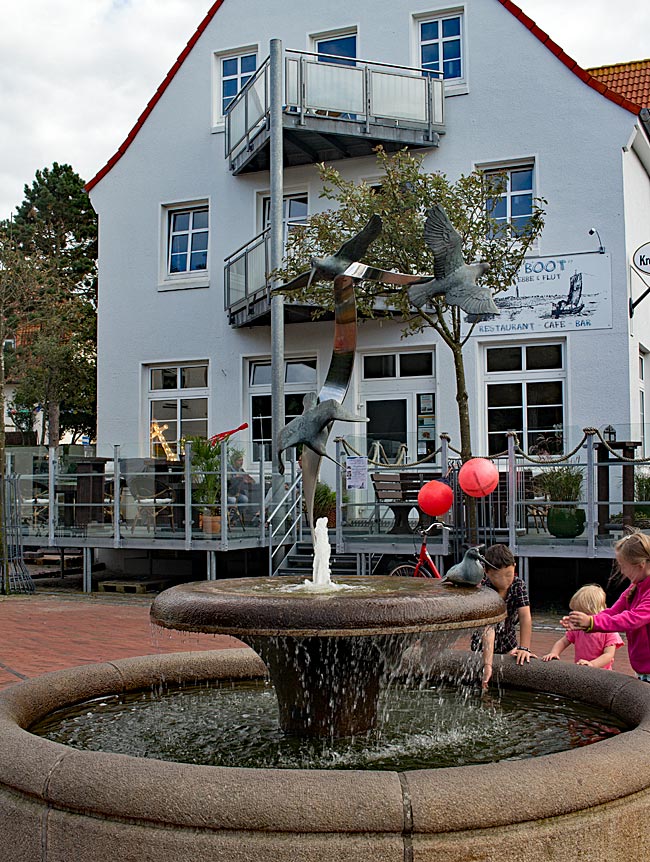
554, 294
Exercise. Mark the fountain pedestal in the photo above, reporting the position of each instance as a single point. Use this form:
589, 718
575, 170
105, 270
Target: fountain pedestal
329, 652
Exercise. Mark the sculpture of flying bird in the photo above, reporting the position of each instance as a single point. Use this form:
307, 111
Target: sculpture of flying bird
327, 268
469, 572
312, 426
453, 277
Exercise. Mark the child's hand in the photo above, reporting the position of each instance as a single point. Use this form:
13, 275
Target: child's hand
550, 656
576, 621
487, 676
523, 656
585, 663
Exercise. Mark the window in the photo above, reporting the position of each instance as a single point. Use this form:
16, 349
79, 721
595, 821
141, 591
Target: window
299, 379
341, 49
178, 406
642, 362
525, 394
385, 365
441, 47
512, 202
294, 212
184, 245
236, 71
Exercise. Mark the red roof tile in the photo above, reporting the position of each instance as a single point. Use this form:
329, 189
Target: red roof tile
631, 80
630, 100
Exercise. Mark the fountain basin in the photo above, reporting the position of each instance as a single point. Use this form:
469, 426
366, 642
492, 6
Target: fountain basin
328, 653
62, 804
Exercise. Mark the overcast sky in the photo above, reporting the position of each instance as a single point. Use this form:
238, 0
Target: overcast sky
76, 74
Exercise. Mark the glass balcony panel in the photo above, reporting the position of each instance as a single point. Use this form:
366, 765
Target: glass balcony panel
237, 280
291, 83
398, 96
335, 88
256, 269
256, 101
237, 122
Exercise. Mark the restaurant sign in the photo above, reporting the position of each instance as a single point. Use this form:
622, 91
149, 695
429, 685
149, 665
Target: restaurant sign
553, 294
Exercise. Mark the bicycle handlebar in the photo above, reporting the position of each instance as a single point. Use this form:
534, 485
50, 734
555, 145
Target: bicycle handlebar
426, 530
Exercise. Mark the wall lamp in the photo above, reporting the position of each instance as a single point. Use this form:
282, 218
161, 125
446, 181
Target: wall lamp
601, 247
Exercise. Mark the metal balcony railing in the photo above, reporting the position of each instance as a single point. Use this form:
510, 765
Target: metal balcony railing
365, 94
245, 273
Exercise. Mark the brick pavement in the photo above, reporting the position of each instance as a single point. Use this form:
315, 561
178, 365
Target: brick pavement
42, 633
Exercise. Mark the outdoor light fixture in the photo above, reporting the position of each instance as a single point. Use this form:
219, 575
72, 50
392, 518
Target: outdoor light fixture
601, 247
610, 433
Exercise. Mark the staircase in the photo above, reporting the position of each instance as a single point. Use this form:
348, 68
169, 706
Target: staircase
300, 562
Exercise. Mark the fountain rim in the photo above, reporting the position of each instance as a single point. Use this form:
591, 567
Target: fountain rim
232, 607
64, 779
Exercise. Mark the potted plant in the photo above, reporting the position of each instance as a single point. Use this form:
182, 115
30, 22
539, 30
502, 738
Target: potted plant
561, 484
206, 484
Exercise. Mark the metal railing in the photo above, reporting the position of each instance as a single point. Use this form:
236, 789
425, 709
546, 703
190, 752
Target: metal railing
367, 92
246, 273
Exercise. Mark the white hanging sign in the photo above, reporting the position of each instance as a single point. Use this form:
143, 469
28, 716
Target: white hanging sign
641, 258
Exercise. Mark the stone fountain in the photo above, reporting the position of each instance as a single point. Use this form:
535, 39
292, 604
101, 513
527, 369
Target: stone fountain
59, 804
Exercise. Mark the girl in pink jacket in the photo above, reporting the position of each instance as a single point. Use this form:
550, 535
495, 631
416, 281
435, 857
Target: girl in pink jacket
631, 612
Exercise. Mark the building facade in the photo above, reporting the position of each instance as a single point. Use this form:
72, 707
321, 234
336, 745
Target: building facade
185, 342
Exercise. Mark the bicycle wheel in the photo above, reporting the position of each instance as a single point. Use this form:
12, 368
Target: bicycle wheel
404, 570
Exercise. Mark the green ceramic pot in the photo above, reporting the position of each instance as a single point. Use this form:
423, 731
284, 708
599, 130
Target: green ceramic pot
565, 523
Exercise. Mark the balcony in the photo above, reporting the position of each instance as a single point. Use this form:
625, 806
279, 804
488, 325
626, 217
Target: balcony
247, 289
333, 112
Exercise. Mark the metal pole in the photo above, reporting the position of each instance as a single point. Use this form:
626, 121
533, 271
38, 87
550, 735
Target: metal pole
276, 247
117, 496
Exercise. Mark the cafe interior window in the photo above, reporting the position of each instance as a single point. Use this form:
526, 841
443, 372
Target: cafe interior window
525, 394
299, 378
178, 407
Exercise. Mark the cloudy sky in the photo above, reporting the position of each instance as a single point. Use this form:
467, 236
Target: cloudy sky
76, 74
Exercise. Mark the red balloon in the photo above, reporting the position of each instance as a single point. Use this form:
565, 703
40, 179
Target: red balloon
435, 498
478, 477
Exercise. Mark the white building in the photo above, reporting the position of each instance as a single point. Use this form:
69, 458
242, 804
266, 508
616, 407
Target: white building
177, 347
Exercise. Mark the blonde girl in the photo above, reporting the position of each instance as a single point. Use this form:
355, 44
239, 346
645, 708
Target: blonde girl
593, 649
631, 612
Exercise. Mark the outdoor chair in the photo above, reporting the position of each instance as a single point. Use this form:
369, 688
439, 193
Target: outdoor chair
154, 500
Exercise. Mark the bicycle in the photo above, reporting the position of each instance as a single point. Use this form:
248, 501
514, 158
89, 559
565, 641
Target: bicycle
425, 567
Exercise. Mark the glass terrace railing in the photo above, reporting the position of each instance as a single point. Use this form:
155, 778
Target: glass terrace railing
367, 92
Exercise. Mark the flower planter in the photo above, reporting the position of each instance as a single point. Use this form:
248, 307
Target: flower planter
211, 524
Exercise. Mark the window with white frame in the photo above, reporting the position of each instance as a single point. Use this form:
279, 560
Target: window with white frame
643, 358
525, 393
441, 46
294, 213
187, 240
178, 405
378, 366
512, 198
299, 379
235, 72
339, 48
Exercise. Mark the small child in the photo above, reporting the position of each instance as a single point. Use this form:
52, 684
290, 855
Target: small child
594, 649
501, 575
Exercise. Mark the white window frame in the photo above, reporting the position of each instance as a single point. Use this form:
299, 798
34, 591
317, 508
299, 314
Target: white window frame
508, 167
524, 377
218, 117
453, 86
178, 394
338, 33
181, 280
264, 389
288, 224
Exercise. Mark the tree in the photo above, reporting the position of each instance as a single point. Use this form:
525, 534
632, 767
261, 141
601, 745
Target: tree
18, 281
55, 229
403, 198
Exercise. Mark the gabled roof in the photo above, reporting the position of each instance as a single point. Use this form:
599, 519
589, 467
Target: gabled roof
624, 100
631, 80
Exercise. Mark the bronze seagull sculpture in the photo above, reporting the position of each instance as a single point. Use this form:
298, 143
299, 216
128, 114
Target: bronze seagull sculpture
312, 427
454, 279
327, 268
469, 572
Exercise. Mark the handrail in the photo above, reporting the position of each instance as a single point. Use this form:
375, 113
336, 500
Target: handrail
364, 62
